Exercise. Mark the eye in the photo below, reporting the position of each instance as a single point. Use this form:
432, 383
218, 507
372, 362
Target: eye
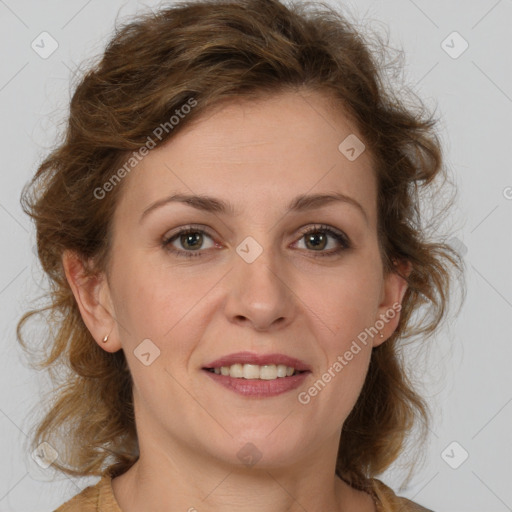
191, 239
317, 239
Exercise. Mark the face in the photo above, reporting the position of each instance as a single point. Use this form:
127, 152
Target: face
269, 273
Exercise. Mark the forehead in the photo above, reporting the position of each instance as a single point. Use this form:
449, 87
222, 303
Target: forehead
258, 154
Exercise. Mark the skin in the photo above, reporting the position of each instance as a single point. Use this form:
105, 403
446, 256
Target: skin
257, 155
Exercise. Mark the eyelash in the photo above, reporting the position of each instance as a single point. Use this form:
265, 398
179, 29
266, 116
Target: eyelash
339, 236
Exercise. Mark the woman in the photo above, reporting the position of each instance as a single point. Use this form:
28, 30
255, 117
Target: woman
233, 232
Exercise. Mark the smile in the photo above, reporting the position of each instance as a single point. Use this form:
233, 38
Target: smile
254, 371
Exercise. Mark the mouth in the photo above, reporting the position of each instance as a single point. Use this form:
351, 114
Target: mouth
256, 375
254, 371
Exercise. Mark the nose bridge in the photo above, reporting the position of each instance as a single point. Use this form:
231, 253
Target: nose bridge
258, 291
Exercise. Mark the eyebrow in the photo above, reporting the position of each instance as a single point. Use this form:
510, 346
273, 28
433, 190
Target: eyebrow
301, 203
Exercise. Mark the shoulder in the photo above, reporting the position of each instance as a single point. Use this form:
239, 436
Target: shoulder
90, 499
87, 501
389, 501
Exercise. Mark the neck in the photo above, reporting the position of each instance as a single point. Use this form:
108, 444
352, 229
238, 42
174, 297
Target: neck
185, 482
173, 474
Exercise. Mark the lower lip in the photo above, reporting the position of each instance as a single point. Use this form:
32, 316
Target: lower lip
257, 387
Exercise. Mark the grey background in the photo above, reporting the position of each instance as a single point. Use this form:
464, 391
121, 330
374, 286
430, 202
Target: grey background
466, 373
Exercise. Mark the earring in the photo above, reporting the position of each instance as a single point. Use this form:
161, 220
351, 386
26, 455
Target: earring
105, 339
381, 335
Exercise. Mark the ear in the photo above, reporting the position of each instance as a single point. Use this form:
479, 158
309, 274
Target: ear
92, 295
393, 291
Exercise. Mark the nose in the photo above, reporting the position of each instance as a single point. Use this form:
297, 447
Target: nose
259, 293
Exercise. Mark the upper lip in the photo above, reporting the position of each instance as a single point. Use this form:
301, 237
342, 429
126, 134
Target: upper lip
259, 359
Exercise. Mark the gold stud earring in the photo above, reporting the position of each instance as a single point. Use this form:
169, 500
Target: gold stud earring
105, 339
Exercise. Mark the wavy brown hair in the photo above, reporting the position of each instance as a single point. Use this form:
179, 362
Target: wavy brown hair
216, 50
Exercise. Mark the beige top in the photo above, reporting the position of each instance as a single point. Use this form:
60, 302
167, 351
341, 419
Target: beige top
100, 498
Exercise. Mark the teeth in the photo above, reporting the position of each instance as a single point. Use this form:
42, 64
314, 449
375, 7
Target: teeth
251, 371
254, 371
281, 370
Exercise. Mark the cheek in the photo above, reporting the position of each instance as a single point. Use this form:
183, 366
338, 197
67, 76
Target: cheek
346, 309
155, 300
345, 303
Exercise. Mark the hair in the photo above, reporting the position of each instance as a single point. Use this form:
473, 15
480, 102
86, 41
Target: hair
216, 51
